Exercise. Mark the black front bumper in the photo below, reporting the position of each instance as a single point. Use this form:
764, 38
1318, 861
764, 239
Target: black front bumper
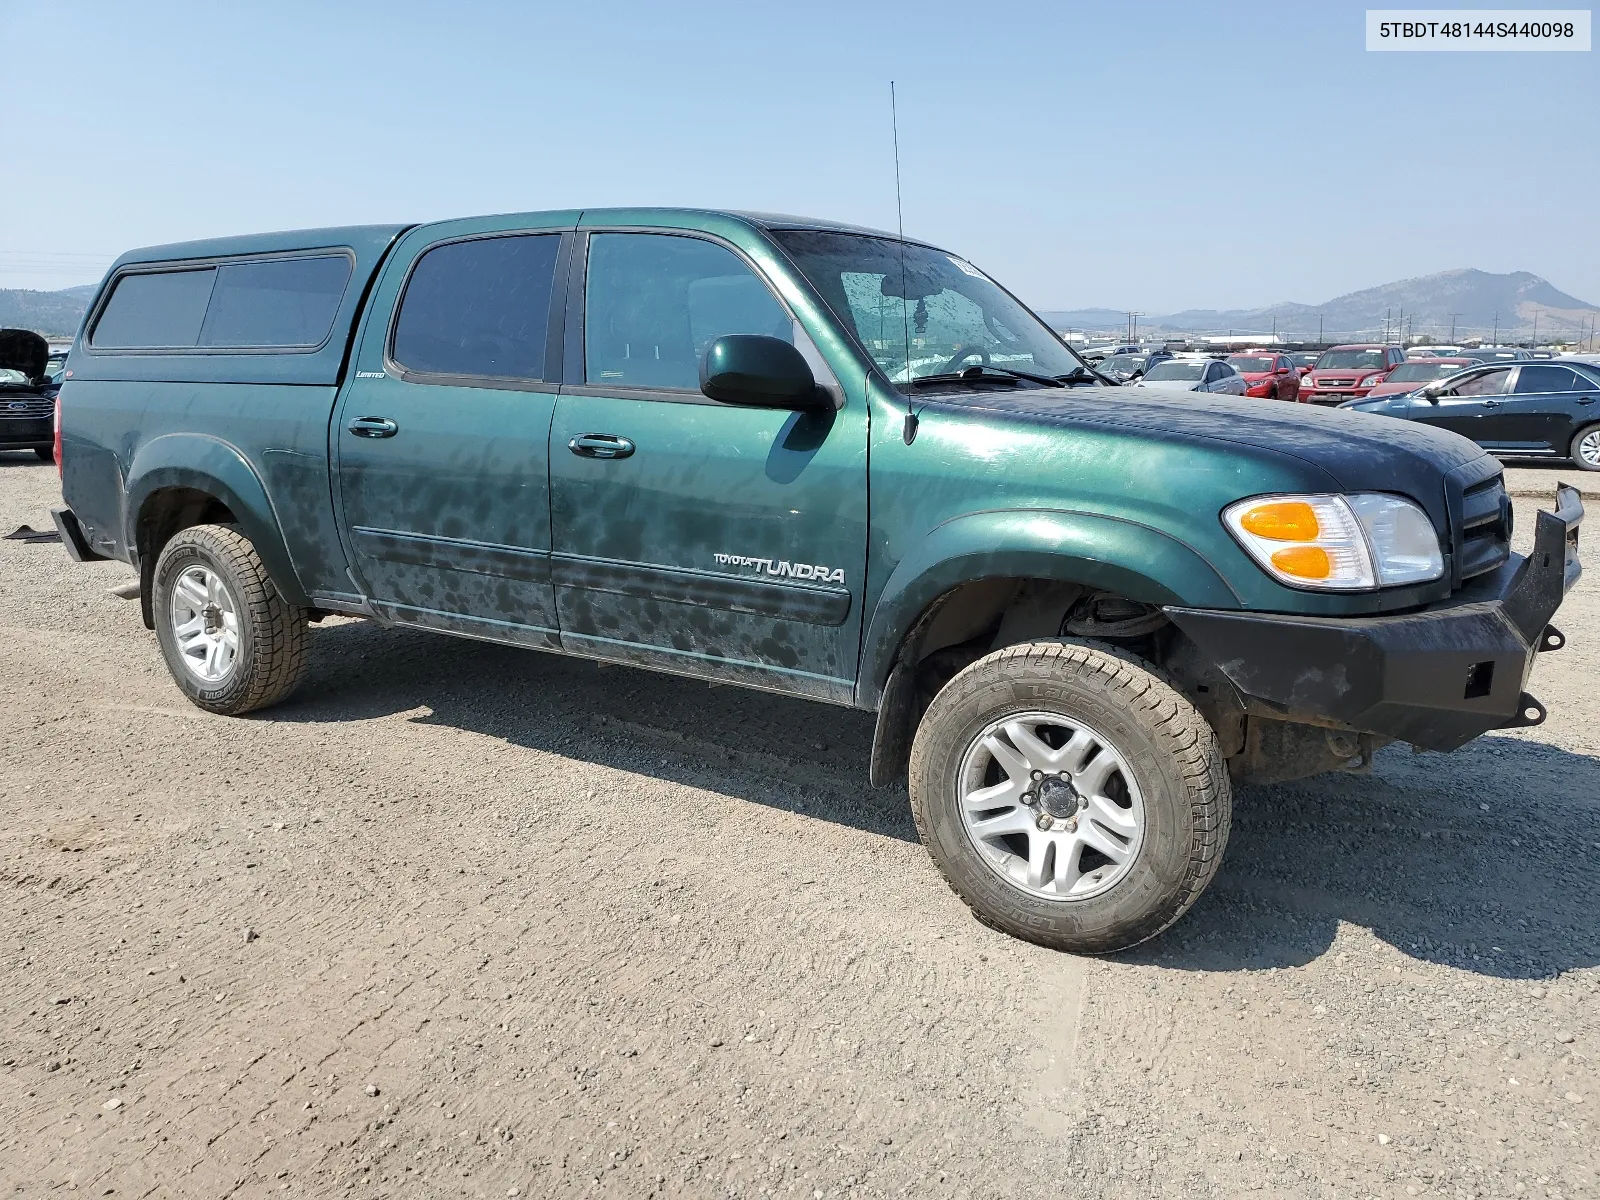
1436, 678
26, 433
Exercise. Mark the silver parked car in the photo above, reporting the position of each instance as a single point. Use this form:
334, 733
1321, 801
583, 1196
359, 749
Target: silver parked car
1194, 375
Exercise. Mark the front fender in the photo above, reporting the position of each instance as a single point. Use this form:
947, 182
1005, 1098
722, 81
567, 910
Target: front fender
1106, 553
213, 466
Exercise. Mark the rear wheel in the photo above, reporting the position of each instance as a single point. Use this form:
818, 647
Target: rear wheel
1070, 795
231, 641
1586, 449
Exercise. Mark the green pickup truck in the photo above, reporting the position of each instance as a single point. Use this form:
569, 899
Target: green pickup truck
818, 460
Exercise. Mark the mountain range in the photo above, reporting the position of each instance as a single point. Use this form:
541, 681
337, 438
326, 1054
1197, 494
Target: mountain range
1476, 302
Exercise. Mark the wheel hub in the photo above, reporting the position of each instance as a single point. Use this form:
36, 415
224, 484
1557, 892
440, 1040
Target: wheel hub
1056, 797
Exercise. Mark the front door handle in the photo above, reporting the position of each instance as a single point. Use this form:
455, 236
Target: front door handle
1491, 404
373, 427
600, 445
1587, 400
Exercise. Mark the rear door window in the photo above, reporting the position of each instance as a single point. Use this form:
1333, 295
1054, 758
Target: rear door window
1540, 378
278, 302
155, 310
479, 308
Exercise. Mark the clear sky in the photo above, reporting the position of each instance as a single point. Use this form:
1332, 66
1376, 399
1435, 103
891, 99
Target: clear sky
1148, 155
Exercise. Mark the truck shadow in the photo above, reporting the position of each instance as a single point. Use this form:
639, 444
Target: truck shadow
803, 757
1486, 860
1408, 852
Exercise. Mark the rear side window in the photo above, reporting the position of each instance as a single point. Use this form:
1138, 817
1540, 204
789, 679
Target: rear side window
155, 310
1547, 379
280, 302
479, 308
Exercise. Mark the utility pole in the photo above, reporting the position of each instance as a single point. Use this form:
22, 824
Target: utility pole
1536, 329
1453, 317
1496, 341
1319, 327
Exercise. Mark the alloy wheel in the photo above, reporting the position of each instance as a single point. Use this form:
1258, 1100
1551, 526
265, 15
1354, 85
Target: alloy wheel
205, 624
1051, 805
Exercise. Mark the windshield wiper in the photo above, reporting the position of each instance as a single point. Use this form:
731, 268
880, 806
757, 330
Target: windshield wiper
1088, 373
984, 371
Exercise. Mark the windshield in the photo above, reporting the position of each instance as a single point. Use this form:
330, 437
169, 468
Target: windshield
1244, 362
1351, 360
939, 315
1187, 372
1125, 364
1421, 372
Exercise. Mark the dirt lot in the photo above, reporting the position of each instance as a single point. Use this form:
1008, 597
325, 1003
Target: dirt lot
464, 920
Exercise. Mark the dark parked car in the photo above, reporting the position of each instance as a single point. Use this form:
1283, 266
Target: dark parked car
27, 395
1488, 354
1533, 409
1304, 360
1124, 368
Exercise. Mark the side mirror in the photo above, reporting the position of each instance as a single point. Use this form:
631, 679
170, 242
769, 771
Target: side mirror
1430, 394
1281, 371
761, 372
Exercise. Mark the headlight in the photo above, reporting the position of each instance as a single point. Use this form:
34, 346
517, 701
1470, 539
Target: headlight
1338, 543
1371, 381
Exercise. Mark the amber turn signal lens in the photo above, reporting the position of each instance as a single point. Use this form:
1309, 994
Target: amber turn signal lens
1282, 521
1303, 562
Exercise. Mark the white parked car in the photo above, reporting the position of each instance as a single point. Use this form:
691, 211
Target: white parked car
1194, 375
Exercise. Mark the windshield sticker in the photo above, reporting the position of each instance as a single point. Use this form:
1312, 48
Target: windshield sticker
966, 268
783, 569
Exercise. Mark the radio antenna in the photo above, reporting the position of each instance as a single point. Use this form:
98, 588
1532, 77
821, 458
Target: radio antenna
910, 430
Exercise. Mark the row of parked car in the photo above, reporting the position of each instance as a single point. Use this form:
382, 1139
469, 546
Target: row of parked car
1514, 402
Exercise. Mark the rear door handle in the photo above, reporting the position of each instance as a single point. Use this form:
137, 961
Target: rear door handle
373, 427
600, 445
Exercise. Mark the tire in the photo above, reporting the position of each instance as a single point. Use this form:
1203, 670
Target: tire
45, 453
269, 636
1586, 448
1178, 800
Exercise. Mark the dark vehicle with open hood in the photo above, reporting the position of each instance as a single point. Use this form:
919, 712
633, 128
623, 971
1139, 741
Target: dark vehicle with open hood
818, 460
27, 393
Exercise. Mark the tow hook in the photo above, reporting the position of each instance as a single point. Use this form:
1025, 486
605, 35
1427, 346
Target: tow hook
1551, 639
1529, 713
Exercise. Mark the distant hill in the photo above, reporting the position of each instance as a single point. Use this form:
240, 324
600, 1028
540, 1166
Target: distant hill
54, 314
1475, 300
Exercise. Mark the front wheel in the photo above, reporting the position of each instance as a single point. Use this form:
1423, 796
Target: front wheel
1070, 795
1586, 449
231, 641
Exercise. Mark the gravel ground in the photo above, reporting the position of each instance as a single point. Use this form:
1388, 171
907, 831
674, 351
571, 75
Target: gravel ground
465, 920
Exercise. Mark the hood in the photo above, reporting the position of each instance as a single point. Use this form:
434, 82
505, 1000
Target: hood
1394, 389
25, 351
1354, 451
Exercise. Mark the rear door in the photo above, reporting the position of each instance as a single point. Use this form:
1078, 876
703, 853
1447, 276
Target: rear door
1466, 405
690, 535
1542, 410
442, 433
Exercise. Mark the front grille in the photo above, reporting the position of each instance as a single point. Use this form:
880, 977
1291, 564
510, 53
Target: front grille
28, 408
1482, 521
1333, 383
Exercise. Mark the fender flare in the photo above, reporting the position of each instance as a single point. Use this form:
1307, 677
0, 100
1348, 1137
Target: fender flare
1113, 554
210, 465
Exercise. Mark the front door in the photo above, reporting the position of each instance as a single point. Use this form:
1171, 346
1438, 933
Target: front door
1465, 407
442, 435
690, 535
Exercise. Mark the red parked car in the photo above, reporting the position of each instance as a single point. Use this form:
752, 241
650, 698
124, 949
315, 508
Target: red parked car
1268, 374
1413, 373
1349, 372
